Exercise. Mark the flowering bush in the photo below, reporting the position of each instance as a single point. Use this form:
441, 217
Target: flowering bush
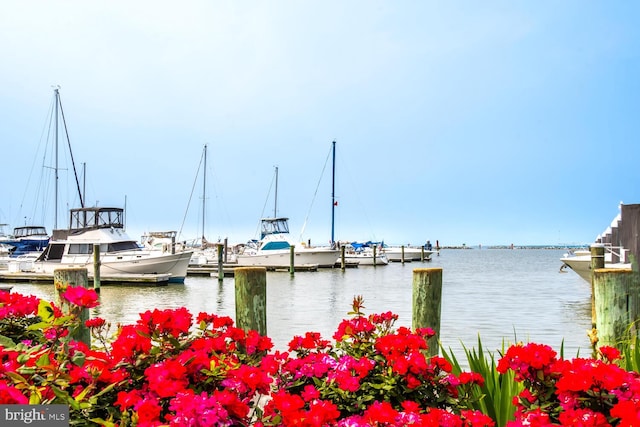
169, 370
578, 392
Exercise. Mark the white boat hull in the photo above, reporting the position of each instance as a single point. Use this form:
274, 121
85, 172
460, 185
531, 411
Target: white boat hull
580, 262
395, 254
367, 259
123, 264
281, 258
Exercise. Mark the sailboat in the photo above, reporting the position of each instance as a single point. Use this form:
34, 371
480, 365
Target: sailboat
354, 253
120, 255
273, 249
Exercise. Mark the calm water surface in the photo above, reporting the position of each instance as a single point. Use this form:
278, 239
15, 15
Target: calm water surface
497, 294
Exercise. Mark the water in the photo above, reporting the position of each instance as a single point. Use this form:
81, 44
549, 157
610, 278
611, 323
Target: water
500, 295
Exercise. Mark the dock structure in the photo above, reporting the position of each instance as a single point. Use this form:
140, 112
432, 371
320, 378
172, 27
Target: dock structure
124, 279
228, 269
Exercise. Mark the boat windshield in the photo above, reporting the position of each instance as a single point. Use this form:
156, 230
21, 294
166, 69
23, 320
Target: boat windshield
274, 226
29, 231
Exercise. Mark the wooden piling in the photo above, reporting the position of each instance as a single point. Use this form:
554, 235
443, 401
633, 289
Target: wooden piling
427, 296
96, 268
402, 254
292, 260
343, 263
617, 304
597, 261
62, 279
251, 298
220, 263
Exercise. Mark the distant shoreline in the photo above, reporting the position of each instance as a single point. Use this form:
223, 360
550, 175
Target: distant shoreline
515, 247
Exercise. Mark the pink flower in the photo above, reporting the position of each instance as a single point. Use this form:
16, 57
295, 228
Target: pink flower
82, 297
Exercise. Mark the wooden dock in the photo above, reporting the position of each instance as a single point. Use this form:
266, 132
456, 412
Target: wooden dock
228, 269
124, 279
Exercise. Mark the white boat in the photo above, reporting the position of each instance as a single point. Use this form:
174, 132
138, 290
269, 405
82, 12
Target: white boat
119, 254
408, 253
274, 248
363, 254
623, 231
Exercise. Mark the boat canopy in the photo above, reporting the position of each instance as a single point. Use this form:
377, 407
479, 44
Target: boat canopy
269, 226
27, 231
92, 218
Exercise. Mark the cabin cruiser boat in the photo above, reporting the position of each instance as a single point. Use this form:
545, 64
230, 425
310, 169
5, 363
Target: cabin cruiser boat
119, 254
274, 248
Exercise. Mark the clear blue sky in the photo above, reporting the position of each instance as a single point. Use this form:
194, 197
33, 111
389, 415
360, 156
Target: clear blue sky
465, 122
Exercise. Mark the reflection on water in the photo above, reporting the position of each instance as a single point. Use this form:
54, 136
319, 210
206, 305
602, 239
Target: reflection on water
499, 295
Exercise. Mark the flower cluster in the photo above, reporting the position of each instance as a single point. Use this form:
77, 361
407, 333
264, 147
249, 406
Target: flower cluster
578, 392
171, 368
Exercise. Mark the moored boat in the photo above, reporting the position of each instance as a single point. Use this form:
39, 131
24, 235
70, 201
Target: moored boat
274, 248
620, 242
119, 253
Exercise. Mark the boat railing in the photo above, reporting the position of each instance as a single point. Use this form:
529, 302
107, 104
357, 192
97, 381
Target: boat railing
617, 253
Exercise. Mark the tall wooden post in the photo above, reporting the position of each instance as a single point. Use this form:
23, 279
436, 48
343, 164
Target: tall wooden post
220, 263
402, 253
251, 298
62, 279
96, 268
343, 264
617, 304
427, 296
292, 259
374, 255
597, 261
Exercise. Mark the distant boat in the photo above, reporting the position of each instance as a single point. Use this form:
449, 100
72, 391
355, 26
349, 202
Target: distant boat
408, 253
367, 253
273, 249
26, 240
119, 254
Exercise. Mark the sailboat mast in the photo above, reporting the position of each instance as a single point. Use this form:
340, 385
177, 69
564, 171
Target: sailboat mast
204, 188
275, 205
55, 203
333, 194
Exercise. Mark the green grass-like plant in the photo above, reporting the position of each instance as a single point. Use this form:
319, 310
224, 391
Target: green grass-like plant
495, 397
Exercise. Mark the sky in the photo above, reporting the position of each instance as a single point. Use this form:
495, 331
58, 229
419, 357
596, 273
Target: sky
465, 122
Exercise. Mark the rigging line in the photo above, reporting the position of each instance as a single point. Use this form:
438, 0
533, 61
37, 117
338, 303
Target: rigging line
266, 200
304, 225
73, 163
193, 188
33, 166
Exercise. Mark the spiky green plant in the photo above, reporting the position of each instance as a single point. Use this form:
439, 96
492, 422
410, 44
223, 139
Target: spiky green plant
495, 397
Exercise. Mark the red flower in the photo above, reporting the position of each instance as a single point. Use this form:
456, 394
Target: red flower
95, 323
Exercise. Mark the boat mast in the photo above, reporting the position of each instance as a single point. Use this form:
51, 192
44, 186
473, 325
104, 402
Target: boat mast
55, 202
275, 205
333, 194
59, 112
204, 188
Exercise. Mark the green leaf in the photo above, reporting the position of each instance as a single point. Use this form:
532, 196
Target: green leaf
45, 311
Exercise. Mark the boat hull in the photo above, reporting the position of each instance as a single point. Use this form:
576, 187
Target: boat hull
395, 254
281, 258
580, 263
123, 264
366, 259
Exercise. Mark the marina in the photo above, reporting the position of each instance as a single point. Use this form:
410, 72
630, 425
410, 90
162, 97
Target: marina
498, 295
